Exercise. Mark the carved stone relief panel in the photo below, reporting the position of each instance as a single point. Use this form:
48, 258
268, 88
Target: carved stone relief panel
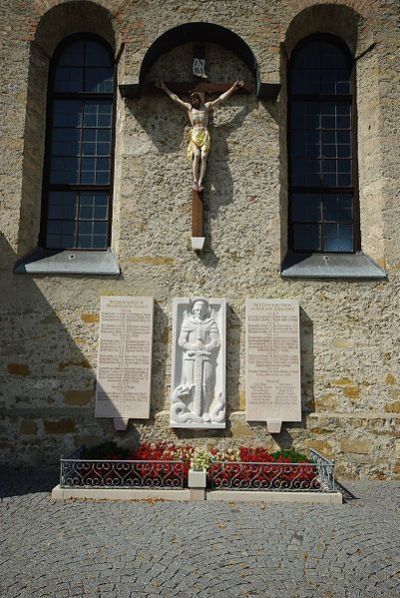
198, 363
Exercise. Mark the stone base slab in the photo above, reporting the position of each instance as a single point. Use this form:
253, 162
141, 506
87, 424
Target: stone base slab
329, 498
198, 425
120, 493
195, 494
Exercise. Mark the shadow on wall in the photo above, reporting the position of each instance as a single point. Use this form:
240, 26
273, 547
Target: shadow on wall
285, 439
234, 328
307, 363
219, 188
159, 374
47, 384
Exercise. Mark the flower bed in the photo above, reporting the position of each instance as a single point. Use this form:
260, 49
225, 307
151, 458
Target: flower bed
165, 465
264, 476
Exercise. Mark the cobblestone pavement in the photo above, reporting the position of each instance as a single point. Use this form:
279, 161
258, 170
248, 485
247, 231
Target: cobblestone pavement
139, 549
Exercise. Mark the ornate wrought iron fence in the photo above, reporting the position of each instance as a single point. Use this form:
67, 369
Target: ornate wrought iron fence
316, 476
106, 473
326, 471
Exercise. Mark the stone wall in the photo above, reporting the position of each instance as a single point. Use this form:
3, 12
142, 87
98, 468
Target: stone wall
350, 332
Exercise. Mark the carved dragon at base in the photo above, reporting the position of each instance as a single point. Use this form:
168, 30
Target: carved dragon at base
180, 411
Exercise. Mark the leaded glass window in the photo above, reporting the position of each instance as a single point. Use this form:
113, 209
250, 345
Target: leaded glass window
322, 162
78, 165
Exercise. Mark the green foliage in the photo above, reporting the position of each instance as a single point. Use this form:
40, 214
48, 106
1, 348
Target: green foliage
105, 450
200, 458
291, 454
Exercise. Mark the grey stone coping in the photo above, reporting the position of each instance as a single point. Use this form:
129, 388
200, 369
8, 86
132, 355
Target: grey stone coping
356, 266
93, 263
252, 496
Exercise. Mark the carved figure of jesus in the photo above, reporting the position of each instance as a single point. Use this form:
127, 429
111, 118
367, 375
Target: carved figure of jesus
199, 138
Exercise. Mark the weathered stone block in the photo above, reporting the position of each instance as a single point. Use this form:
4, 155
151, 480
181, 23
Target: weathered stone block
18, 369
62, 426
352, 392
390, 379
241, 429
355, 446
28, 428
78, 397
393, 407
90, 318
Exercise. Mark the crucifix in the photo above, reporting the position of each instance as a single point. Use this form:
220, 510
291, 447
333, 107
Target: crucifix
199, 142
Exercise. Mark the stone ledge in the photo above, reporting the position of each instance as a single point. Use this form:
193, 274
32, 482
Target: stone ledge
353, 415
45, 262
356, 266
252, 496
330, 498
119, 494
38, 412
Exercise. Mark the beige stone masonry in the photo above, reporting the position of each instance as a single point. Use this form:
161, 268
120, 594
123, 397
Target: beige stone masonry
350, 331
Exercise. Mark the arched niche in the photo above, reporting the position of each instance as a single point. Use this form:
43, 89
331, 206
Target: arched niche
336, 19
202, 33
74, 17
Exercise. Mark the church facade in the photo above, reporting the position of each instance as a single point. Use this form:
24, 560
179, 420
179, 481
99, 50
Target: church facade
300, 202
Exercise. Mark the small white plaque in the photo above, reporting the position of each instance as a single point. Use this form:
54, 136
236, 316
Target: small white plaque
124, 362
198, 243
198, 363
273, 389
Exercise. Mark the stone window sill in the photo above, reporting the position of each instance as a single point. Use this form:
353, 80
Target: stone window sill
46, 262
355, 266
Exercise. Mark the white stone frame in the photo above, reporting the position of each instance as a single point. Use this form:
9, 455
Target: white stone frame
181, 416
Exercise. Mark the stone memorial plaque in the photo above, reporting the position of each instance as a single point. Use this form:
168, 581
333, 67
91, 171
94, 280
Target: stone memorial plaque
198, 363
273, 361
124, 362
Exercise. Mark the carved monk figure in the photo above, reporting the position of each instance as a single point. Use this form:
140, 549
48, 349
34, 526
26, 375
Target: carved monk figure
199, 338
199, 138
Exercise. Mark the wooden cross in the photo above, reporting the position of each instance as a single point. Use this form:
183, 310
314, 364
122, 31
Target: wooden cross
201, 85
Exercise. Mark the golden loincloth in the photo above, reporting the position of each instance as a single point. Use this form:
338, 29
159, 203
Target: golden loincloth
200, 138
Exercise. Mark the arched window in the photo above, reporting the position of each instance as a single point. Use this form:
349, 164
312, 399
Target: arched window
323, 202
78, 166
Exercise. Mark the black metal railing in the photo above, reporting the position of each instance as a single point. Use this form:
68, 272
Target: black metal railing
326, 471
106, 473
316, 476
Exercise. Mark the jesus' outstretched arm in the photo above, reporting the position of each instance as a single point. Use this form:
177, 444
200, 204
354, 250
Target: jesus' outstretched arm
173, 96
237, 85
